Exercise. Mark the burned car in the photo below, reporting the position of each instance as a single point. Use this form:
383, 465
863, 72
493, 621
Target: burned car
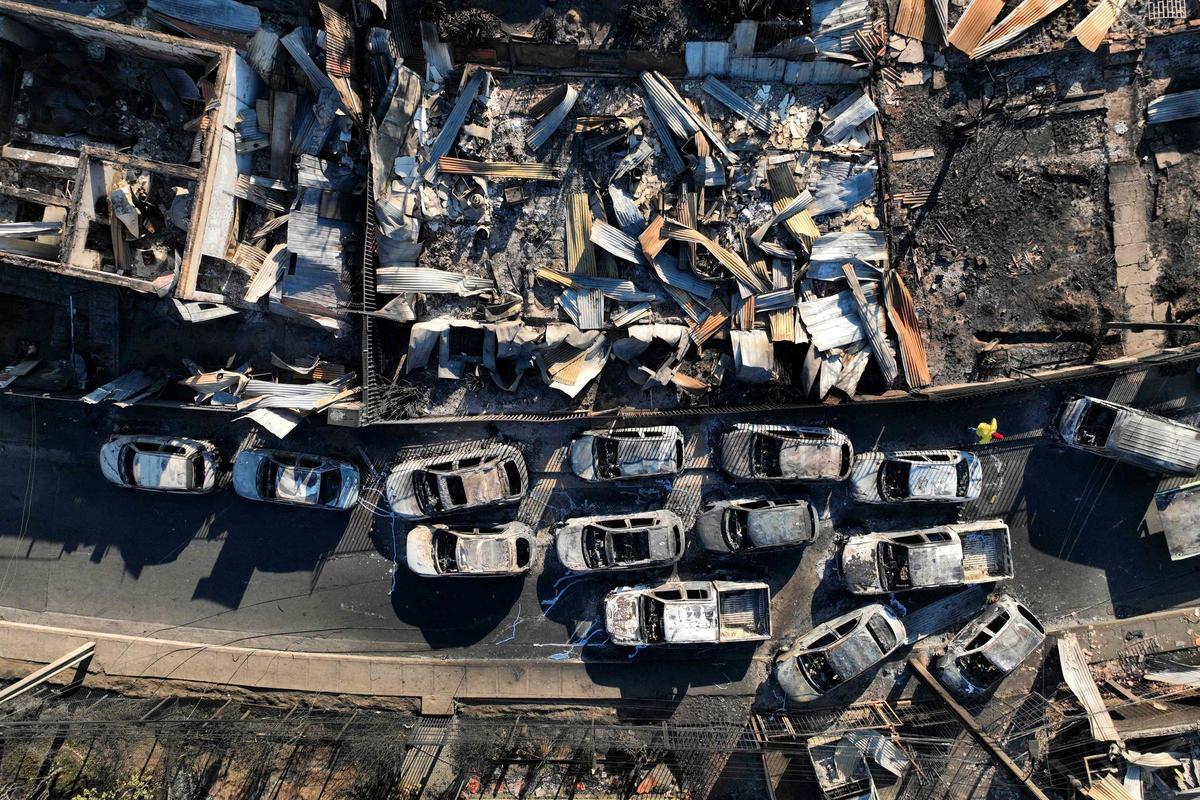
917, 476
438, 550
490, 475
786, 453
688, 612
160, 463
990, 647
948, 555
631, 541
1130, 435
274, 476
625, 453
838, 650
736, 526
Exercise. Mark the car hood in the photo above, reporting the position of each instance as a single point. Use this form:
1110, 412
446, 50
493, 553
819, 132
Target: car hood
1012, 645
621, 617
401, 495
245, 473
860, 569
161, 471
791, 680
568, 543
298, 485
933, 480
419, 551
582, 458
484, 485
810, 459
778, 525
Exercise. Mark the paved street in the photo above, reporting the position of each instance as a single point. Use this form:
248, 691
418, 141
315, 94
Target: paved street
72, 544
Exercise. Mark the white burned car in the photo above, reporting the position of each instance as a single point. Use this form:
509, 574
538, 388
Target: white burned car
688, 612
488, 475
838, 650
917, 476
948, 555
296, 479
1129, 434
160, 463
737, 526
625, 453
990, 647
786, 453
469, 551
630, 541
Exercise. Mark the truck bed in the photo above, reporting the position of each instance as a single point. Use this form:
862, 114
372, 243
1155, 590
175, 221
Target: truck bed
986, 556
744, 614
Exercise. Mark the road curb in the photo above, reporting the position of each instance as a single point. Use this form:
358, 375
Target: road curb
150, 659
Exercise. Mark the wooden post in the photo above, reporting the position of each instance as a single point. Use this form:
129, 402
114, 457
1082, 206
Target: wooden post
75, 658
965, 717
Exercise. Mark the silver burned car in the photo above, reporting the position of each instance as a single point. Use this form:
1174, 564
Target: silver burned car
469, 551
838, 650
917, 476
990, 647
630, 541
160, 463
488, 475
625, 453
786, 453
736, 526
275, 476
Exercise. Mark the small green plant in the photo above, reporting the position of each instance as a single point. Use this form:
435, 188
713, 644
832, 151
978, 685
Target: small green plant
132, 788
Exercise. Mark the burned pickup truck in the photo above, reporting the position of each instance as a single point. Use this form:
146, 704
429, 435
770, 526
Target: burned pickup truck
688, 612
1127, 434
947, 555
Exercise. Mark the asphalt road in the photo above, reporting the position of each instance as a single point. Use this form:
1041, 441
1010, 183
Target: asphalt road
70, 543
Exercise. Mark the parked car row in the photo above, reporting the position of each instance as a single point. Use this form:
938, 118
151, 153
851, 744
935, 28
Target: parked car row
182, 465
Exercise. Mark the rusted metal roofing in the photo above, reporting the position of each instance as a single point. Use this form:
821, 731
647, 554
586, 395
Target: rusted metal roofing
1018, 21
973, 25
338, 42
1092, 29
737, 104
617, 242
497, 169
784, 193
836, 21
728, 259
902, 312
913, 19
678, 115
839, 122
424, 280
581, 257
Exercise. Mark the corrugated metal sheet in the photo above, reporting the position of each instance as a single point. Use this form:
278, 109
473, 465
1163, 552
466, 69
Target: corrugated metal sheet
835, 195
913, 19
902, 312
591, 309
338, 43
629, 217
617, 242
226, 15
974, 24
664, 139
842, 245
784, 192
453, 124
261, 51
1018, 21
846, 116
735, 103
548, 124
758, 68
832, 270
424, 280
581, 257
297, 43
836, 21
707, 58
666, 267
684, 122
1170, 107
822, 71
832, 322
1079, 678
1092, 29
774, 301
632, 159
614, 288
498, 169
728, 259
630, 315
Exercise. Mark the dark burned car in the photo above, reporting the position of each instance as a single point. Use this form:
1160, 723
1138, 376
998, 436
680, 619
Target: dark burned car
737, 526
631, 541
626, 453
434, 551
786, 453
838, 650
486, 475
917, 476
275, 476
990, 647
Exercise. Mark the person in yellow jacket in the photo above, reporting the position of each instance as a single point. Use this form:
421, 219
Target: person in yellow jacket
986, 431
